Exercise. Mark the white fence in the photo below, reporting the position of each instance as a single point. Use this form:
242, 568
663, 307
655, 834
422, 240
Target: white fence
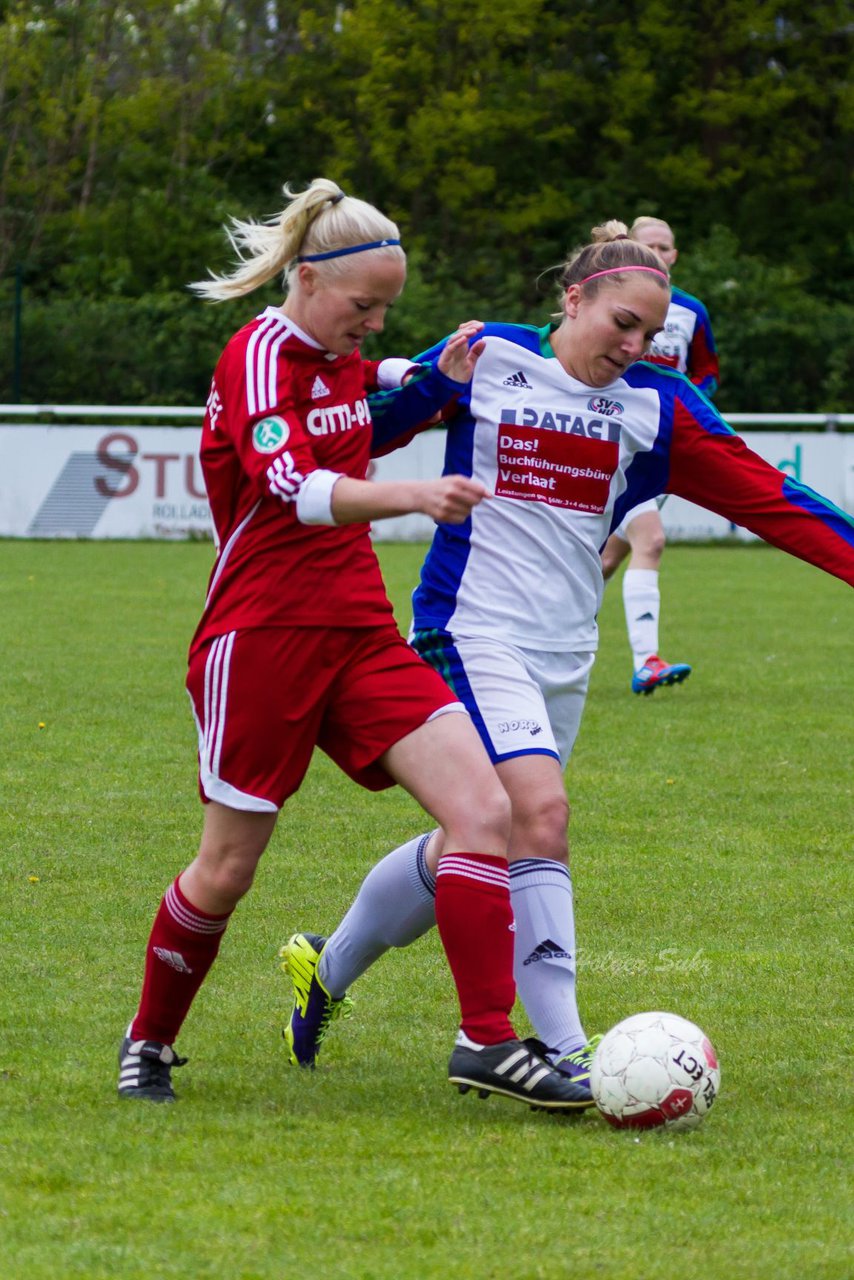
124, 479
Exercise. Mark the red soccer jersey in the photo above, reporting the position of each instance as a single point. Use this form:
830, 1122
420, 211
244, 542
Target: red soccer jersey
279, 408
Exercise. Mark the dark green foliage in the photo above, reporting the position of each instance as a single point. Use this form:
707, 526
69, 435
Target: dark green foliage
496, 133
783, 347
156, 349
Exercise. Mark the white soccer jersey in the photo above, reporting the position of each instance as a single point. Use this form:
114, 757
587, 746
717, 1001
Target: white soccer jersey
553, 454
565, 462
686, 342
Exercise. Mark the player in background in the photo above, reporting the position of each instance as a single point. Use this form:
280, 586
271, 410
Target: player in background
686, 344
569, 427
297, 645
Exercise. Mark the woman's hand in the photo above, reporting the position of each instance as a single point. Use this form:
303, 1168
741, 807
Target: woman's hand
458, 358
450, 499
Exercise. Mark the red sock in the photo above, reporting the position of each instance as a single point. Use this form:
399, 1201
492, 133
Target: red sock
474, 917
182, 947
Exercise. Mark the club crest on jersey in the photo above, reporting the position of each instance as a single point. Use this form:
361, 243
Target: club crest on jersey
270, 434
607, 408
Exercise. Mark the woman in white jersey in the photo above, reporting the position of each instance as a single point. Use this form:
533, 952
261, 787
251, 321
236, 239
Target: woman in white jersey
686, 343
569, 428
297, 646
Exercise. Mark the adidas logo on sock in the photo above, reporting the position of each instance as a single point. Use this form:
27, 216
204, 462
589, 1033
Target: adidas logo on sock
173, 958
645, 617
547, 950
319, 388
517, 380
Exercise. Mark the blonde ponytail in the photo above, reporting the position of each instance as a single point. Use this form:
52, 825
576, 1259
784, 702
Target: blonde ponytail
319, 220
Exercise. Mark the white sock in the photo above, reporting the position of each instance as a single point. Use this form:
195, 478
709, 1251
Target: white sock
642, 602
544, 963
394, 906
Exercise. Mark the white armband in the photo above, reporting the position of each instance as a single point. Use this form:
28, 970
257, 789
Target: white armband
314, 500
391, 372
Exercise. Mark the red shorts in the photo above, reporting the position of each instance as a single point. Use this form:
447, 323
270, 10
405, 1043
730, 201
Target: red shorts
263, 699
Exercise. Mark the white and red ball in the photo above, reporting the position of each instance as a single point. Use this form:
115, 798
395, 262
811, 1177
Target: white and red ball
655, 1069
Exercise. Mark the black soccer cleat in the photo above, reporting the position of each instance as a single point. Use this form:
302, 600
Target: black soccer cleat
514, 1069
145, 1070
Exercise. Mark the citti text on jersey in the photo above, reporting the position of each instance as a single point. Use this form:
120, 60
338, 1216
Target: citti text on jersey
338, 417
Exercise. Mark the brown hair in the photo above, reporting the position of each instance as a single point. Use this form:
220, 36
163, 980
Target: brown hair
610, 249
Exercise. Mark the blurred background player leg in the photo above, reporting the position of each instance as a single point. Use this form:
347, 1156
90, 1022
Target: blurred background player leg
685, 343
641, 535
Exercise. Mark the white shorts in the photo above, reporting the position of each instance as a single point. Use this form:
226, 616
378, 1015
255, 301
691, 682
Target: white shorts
523, 701
640, 510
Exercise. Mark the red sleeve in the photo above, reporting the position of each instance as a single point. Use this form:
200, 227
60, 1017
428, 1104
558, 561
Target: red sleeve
371, 370
703, 367
712, 466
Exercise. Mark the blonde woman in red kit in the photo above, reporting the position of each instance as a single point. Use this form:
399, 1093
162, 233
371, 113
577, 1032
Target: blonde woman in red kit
297, 645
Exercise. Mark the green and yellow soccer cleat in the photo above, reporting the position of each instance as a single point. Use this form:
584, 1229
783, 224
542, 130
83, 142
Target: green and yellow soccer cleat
576, 1065
314, 1008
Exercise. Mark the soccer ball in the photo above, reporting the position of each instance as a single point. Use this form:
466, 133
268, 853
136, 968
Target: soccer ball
654, 1069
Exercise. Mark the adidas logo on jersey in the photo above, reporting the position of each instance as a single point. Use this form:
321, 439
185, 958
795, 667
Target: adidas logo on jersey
517, 380
319, 388
547, 950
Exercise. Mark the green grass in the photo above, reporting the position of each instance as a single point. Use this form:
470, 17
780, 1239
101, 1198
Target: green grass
711, 832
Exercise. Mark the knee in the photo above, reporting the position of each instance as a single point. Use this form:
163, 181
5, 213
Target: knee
541, 832
648, 544
498, 813
482, 819
225, 875
657, 542
234, 880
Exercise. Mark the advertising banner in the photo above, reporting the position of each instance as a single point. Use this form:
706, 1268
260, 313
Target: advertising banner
101, 482
146, 482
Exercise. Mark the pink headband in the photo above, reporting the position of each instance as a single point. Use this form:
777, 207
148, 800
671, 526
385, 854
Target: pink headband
614, 270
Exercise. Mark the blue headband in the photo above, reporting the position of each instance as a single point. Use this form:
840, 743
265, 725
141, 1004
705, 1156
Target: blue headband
340, 253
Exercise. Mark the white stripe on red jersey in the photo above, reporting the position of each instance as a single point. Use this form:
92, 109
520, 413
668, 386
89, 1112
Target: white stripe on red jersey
264, 433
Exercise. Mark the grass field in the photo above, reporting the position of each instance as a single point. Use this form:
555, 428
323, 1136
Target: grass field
712, 832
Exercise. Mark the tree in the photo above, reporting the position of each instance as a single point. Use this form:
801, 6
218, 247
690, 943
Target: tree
496, 133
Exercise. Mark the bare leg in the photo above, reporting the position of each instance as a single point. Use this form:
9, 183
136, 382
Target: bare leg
232, 843
613, 554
